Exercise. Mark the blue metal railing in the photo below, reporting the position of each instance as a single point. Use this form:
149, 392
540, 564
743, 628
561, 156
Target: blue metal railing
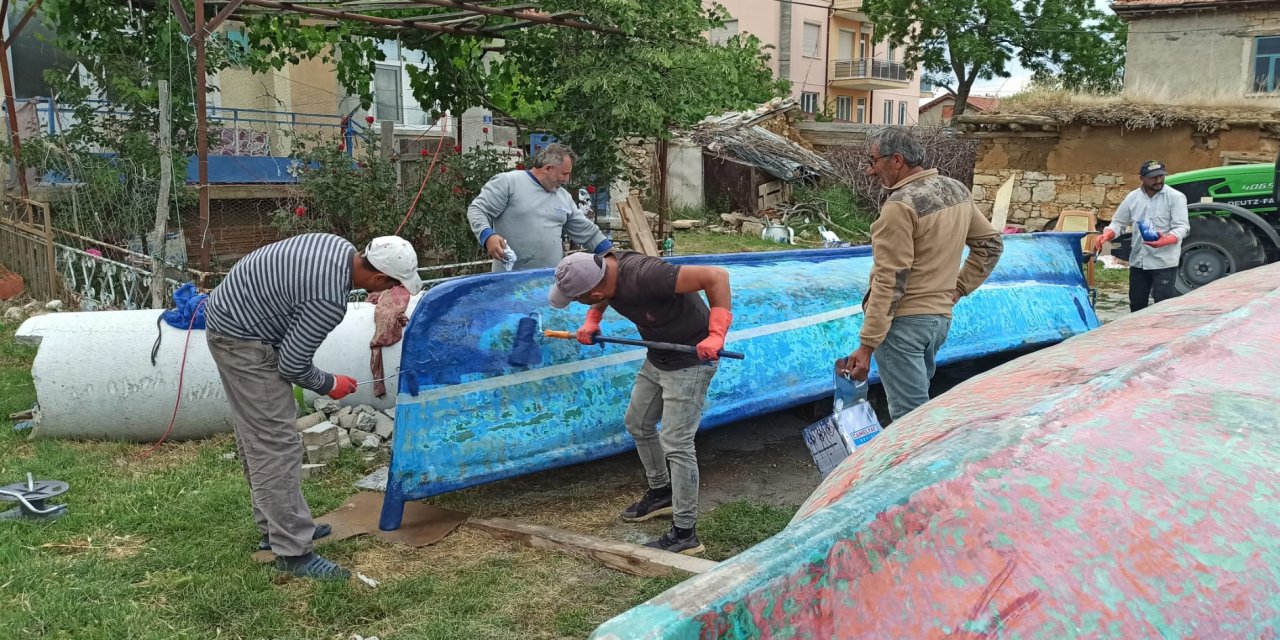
53, 115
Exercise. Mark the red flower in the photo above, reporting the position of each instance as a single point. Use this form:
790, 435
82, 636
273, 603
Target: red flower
485, 129
510, 143
300, 211
423, 152
520, 165
591, 188
444, 169
457, 189
457, 148
341, 147
368, 119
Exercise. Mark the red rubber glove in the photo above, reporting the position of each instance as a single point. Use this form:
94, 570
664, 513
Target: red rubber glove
343, 386
1164, 240
587, 332
1107, 236
717, 327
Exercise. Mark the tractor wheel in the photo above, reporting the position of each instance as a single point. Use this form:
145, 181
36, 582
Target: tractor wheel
1217, 247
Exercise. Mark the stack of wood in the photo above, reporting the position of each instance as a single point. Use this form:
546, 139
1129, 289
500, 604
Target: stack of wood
636, 223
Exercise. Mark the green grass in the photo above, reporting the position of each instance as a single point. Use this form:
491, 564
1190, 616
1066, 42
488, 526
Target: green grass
160, 548
700, 242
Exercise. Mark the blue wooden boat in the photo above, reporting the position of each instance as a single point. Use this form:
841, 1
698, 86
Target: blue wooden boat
1119, 485
464, 416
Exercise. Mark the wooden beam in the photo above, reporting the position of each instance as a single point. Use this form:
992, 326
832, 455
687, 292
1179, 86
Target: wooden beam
978, 135
521, 15
183, 20
622, 556
357, 17
31, 11
226, 12
999, 118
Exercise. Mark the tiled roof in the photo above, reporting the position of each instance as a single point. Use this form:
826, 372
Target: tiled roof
977, 103
1123, 6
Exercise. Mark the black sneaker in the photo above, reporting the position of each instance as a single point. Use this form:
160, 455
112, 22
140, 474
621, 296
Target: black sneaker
656, 502
322, 530
679, 541
312, 566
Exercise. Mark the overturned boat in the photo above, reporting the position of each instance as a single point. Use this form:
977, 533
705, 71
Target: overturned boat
1121, 484
465, 416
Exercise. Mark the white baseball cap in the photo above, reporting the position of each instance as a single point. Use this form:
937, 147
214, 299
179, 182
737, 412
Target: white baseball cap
395, 257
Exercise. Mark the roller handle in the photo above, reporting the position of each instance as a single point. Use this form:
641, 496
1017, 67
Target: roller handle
565, 335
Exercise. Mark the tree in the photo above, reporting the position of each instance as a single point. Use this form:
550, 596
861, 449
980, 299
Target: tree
961, 41
589, 89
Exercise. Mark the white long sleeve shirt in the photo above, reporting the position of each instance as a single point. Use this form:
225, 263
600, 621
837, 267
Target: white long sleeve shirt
1166, 212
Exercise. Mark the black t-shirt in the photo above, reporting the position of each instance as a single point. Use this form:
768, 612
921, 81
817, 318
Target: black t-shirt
646, 295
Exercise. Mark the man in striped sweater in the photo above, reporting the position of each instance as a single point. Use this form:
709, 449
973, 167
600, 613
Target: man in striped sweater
265, 322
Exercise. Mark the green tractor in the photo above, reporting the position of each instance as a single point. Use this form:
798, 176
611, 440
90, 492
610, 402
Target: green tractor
1234, 222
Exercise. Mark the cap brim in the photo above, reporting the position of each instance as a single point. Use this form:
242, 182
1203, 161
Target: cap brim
1157, 173
412, 284
557, 298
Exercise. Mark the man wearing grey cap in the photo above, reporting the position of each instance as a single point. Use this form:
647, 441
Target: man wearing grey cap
662, 300
1159, 217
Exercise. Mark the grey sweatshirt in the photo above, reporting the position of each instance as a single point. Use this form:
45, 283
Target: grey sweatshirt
531, 219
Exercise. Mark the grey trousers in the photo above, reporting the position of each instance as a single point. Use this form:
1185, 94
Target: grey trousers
675, 398
267, 438
905, 360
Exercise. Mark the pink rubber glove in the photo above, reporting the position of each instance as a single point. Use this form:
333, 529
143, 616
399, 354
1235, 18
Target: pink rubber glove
587, 332
717, 328
1107, 236
1164, 240
343, 386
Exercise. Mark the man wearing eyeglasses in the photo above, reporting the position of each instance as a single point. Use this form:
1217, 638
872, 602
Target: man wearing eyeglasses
917, 244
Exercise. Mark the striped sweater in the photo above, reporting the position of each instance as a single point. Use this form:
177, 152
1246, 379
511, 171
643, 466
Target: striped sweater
290, 295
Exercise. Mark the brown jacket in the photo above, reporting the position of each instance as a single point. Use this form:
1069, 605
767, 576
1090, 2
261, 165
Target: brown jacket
916, 246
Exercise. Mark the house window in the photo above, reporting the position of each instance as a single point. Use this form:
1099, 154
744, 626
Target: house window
1266, 59
812, 38
809, 102
902, 112
722, 34
888, 112
862, 110
844, 108
387, 95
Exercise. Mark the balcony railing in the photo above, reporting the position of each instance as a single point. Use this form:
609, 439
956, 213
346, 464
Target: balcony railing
847, 5
869, 68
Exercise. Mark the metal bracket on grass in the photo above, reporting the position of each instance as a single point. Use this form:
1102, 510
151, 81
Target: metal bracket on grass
31, 497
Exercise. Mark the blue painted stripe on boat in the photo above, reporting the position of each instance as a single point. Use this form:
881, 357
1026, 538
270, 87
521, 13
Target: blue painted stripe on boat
638, 353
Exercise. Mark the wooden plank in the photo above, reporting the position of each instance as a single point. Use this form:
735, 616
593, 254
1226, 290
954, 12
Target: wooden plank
22, 415
623, 556
637, 226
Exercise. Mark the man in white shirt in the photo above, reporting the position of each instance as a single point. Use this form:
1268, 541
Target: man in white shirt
1159, 217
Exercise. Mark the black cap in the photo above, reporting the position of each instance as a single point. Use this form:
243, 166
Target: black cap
1152, 168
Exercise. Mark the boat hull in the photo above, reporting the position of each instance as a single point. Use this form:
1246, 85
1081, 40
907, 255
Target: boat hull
1121, 484
466, 417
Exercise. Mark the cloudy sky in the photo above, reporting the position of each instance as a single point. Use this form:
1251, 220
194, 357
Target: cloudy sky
1020, 78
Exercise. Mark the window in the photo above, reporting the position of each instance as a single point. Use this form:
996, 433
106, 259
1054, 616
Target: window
809, 102
862, 110
722, 34
844, 108
387, 96
926, 86
902, 112
812, 39
888, 112
1266, 59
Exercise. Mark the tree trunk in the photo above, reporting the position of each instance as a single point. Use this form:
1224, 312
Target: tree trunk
162, 203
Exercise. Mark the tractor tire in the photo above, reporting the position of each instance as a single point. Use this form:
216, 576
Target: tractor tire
1217, 246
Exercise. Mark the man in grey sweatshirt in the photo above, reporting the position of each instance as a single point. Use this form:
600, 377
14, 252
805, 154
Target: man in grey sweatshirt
529, 211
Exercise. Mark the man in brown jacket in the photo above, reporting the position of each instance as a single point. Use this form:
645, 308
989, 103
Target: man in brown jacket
916, 244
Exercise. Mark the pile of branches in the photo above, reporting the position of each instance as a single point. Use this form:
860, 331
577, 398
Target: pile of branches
952, 157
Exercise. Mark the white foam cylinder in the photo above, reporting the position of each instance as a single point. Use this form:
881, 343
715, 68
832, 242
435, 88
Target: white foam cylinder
94, 378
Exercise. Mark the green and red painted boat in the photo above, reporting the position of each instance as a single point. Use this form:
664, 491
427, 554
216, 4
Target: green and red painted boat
1121, 484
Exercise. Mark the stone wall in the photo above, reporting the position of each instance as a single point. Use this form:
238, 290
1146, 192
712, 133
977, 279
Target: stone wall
1092, 167
1039, 197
